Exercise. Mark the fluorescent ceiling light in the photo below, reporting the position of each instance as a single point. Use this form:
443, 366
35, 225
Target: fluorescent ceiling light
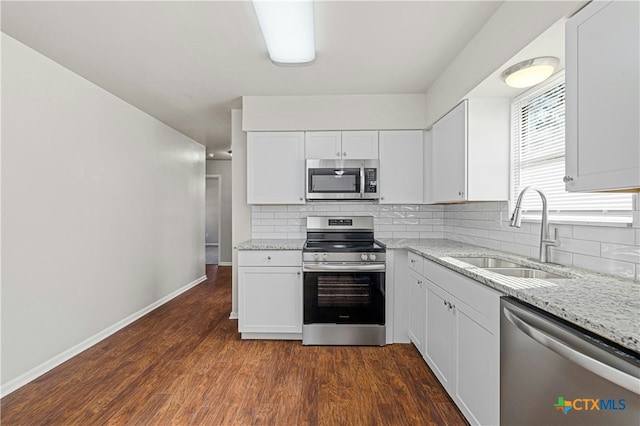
530, 72
287, 27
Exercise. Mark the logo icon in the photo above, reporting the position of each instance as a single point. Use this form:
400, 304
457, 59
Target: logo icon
563, 405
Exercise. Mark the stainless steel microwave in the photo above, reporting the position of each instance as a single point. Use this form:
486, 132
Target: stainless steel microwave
342, 179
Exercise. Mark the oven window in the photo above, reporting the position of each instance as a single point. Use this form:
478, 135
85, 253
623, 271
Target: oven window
339, 290
334, 180
344, 297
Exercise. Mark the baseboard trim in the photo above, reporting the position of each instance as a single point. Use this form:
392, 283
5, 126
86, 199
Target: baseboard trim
46, 366
225, 263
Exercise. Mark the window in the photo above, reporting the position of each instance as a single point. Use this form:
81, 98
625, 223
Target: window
537, 152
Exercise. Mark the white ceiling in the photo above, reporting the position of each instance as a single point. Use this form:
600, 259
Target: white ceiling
189, 63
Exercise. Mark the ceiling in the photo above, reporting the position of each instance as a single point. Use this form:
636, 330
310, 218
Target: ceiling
189, 63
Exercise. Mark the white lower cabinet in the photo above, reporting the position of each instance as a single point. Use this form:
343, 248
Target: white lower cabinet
462, 341
439, 327
417, 310
270, 294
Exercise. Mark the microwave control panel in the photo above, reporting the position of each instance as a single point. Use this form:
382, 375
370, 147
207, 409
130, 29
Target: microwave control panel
370, 180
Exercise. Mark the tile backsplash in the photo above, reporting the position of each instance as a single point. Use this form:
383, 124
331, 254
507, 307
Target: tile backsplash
390, 221
608, 249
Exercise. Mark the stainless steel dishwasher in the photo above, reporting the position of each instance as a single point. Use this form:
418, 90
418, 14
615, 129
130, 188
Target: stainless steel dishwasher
554, 373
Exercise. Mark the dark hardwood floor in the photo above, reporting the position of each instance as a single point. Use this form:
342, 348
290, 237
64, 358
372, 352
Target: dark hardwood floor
184, 363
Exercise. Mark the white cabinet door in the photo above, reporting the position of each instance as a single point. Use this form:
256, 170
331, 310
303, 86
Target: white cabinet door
439, 339
470, 147
401, 167
476, 365
275, 168
360, 145
323, 145
417, 310
270, 299
602, 97
450, 156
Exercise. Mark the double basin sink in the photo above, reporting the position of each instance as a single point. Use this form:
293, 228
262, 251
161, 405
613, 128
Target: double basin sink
505, 267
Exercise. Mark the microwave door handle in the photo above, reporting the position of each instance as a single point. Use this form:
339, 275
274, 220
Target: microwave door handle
362, 180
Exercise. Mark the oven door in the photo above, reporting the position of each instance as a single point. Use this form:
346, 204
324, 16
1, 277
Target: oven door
344, 297
328, 179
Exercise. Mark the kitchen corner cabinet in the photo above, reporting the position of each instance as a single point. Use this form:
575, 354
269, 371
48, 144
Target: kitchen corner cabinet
275, 168
471, 152
270, 294
401, 167
602, 97
347, 145
462, 343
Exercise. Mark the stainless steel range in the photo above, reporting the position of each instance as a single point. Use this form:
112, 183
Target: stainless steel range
344, 282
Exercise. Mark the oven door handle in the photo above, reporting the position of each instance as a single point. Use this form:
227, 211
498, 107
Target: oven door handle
344, 268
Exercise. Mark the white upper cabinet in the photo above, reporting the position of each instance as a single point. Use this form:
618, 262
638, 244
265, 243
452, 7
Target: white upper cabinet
603, 97
470, 152
360, 145
355, 145
401, 167
275, 168
323, 145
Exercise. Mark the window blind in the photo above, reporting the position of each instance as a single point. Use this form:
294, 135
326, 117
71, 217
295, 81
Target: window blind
538, 157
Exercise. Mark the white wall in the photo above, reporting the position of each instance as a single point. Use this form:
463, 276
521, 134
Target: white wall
333, 112
103, 213
241, 210
212, 210
512, 27
223, 168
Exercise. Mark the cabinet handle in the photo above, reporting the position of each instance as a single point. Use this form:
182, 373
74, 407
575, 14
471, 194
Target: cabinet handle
300, 198
268, 257
445, 302
567, 179
298, 272
337, 154
344, 154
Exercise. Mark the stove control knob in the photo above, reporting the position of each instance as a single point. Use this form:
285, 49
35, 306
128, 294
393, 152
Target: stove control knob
363, 256
372, 256
316, 257
324, 256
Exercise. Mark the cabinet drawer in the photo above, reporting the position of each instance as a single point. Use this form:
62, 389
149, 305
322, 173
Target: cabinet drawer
416, 262
269, 258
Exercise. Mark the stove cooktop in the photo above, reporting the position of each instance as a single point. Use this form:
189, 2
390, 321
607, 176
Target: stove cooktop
344, 246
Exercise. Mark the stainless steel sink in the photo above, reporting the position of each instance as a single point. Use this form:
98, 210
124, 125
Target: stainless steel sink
488, 262
524, 273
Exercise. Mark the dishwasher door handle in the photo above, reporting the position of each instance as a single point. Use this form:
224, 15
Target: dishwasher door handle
596, 367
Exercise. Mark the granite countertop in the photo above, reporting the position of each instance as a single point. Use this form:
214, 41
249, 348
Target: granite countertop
271, 245
603, 304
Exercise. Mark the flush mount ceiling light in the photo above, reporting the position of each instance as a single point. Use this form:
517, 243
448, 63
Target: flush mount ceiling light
287, 27
530, 72
211, 155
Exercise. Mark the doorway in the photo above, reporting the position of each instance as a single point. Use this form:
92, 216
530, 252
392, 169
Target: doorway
212, 221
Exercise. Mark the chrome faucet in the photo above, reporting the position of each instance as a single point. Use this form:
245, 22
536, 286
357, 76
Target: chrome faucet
545, 240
